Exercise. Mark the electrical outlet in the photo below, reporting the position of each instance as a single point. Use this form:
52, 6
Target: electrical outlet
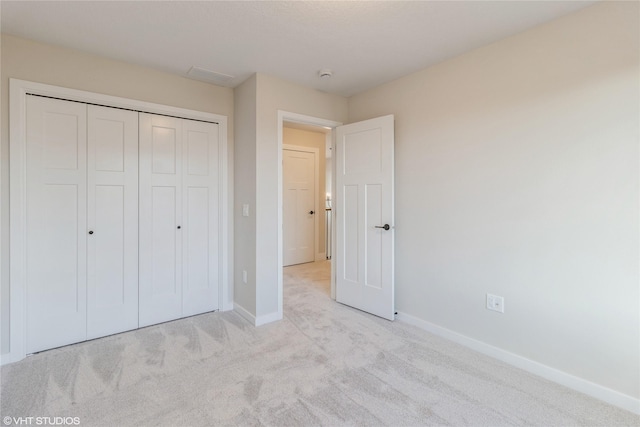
495, 303
245, 209
244, 276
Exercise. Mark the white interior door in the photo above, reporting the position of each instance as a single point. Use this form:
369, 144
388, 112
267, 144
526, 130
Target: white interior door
112, 197
160, 286
56, 223
200, 210
299, 216
364, 216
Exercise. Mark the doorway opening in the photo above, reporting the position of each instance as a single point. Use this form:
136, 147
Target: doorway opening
305, 214
304, 193
362, 171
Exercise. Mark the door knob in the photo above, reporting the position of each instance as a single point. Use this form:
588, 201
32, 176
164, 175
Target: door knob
91, 232
386, 226
178, 227
311, 212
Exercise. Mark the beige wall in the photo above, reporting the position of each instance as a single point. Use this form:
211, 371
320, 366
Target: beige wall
258, 101
273, 95
27, 60
309, 139
245, 193
517, 175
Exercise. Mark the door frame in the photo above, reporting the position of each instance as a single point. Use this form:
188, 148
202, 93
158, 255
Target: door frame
316, 192
286, 116
18, 91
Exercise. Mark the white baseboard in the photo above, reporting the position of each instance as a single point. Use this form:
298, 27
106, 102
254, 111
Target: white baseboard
259, 320
268, 318
7, 358
576, 383
227, 304
244, 313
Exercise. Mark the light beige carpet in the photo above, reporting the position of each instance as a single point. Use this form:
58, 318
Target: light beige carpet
324, 364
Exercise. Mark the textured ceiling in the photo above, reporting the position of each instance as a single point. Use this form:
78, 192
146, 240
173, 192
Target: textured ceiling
364, 43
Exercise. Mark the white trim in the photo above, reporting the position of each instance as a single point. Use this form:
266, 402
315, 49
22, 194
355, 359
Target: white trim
547, 372
225, 222
297, 118
256, 321
268, 318
18, 90
112, 101
333, 216
306, 120
17, 209
244, 313
316, 192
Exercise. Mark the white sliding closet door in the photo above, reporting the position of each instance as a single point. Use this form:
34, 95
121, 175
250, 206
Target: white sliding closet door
112, 196
116, 215
200, 217
82, 222
56, 228
178, 218
160, 219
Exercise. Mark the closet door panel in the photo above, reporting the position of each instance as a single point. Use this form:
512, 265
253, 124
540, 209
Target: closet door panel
160, 219
56, 223
112, 257
106, 248
164, 245
196, 255
200, 211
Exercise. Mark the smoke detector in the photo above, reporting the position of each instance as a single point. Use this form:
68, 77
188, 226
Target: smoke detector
325, 74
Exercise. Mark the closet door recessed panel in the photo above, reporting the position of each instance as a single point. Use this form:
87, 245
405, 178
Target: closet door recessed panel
164, 247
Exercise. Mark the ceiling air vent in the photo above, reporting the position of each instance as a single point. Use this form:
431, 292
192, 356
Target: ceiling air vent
209, 76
